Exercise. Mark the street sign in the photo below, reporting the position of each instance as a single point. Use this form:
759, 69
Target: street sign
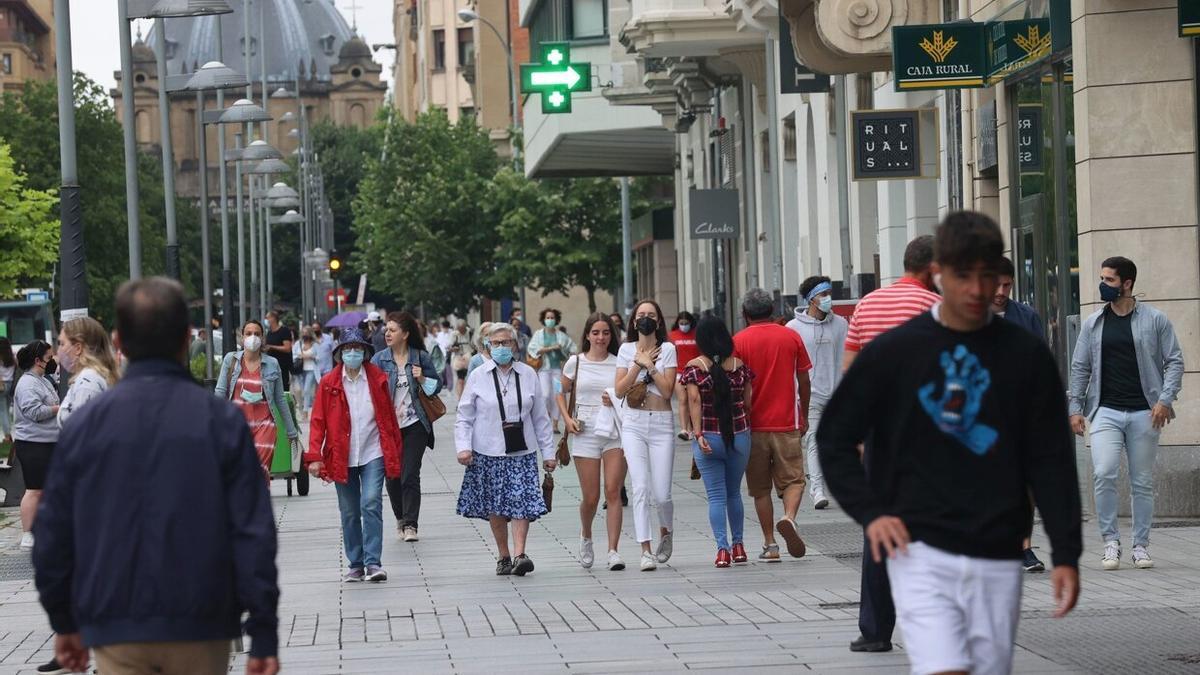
886, 144
794, 78
331, 298
713, 214
555, 77
1189, 18
38, 296
939, 56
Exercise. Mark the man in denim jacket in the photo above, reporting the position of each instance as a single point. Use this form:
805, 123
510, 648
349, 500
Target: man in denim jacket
1125, 376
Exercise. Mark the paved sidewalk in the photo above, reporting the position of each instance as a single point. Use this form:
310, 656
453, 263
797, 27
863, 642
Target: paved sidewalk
444, 610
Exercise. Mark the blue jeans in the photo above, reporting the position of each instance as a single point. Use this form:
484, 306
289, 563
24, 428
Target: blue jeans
360, 502
722, 471
308, 388
1115, 433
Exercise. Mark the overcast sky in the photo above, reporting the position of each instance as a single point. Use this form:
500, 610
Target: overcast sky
94, 42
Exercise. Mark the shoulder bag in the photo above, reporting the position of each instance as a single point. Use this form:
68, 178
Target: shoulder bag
548, 491
534, 362
434, 408
563, 453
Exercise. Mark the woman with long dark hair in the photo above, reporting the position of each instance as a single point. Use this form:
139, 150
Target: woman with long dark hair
35, 432
8, 370
683, 336
718, 387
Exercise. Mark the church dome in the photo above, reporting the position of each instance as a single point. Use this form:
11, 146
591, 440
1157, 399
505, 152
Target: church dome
304, 38
142, 53
354, 49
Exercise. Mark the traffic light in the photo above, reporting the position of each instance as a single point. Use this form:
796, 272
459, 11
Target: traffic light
335, 264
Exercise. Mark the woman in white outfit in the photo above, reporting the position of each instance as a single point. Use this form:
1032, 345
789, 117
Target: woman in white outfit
589, 374
648, 429
553, 347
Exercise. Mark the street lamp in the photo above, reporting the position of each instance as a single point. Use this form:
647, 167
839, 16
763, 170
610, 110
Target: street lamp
266, 168
243, 111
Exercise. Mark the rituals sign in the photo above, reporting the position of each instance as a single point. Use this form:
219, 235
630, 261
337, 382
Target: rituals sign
887, 144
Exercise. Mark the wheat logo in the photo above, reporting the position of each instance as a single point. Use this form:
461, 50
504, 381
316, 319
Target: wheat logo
939, 49
1033, 42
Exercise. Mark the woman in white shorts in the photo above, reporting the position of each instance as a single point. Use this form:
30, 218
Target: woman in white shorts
593, 370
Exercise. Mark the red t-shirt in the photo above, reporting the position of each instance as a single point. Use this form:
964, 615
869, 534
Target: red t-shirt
685, 346
776, 355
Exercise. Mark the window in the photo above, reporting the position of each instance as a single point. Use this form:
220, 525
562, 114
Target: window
6, 64
439, 49
466, 112
466, 47
557, 20
589, 19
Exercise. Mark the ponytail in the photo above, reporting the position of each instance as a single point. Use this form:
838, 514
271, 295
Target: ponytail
722, 398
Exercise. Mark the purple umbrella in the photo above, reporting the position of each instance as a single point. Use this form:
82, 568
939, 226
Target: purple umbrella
346, 320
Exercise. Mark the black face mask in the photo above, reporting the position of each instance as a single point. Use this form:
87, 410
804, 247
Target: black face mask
646, 325
51, 367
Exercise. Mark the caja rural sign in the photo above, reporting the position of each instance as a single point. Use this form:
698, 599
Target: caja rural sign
939, 56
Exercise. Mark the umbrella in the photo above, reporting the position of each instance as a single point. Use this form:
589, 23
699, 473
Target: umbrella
346, 320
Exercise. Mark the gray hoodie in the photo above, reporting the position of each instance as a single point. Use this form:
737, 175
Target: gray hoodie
825, 341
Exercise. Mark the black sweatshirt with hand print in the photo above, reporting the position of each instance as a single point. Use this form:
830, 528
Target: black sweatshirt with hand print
958, 427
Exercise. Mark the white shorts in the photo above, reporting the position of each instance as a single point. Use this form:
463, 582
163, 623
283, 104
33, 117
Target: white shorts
591, 446
956, 612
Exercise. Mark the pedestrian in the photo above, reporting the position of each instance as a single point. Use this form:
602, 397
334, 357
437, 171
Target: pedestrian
548, 350
461, 351
354, 441
445, 340
684, 339
719, 391
278, 343
1026, 317
955, 437
86, 354
618, 322
410, 373
8, 367
586, 377
253, 381
308, 369
824, 336
517, 318
501, 425
177, 539
880, 311
199, 345
480, 346
646, 365
777, 357
35, 426
1126, 373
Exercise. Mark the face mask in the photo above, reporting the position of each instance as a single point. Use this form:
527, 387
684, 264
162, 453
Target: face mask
251, 396
825, 303
68, 360
646, 325
1109, 293
252, 343
51, 367
517, 318
685, 327
502, 355
550, 323
353, 359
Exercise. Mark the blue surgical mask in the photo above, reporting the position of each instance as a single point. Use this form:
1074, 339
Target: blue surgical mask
550, 323
1109, 293
502, 355
825, 303
685, 327
353, 358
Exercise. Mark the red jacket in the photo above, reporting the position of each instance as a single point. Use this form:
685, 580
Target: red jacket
329, 433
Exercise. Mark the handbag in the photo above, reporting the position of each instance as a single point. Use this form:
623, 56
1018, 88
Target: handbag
433, 406
534, 362
514, 432
548, 491
563, 453
636, 396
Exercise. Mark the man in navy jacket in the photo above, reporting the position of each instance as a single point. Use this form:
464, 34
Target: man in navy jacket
155, 531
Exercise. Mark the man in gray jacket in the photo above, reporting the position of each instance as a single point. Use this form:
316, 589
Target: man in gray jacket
1125, 375
824, 336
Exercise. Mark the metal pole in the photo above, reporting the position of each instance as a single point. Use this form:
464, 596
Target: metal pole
206, 274
262, 59
227, 339
270, 250
132, 215
241, 236
168, 152
839, 94
774, 178
626, 247
264, 226
253, 216
246, 57
746, 107
72, 261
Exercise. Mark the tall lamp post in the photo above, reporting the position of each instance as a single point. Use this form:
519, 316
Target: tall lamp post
73, 298
265, 169
253, 155
243, 111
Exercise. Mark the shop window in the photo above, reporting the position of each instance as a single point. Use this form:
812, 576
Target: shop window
439, 49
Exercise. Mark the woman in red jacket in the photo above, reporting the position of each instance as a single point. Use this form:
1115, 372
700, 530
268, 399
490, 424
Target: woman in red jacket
354, 441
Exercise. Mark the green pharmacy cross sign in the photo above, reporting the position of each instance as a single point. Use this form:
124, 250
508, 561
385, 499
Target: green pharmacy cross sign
555, 77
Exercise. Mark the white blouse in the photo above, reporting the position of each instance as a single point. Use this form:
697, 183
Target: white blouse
593, 378
478, 425
666, 359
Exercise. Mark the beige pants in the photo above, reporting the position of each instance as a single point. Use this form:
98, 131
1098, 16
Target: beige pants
167, 658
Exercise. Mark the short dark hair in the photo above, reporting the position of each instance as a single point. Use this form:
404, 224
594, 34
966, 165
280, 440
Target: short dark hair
554, 312
30, 353
152, 319
918, 254
685, 317
1124, 267
1006, 268
965, 238
757, 304
810, 283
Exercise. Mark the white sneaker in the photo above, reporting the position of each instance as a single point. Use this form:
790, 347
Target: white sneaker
820, 501
649, 564
1112, 555
27, 540
615, 564
665, 548
1141, 557
587, 556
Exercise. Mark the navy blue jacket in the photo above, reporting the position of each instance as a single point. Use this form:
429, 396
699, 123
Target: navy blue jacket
156, 523
1026, 317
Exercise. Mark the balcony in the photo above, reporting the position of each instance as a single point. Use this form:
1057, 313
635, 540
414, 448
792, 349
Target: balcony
682, 28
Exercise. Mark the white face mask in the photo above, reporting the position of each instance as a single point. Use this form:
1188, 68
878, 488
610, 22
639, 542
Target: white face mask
252, 343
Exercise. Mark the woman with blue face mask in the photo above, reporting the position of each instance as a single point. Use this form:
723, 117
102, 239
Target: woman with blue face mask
253, 381
549, 348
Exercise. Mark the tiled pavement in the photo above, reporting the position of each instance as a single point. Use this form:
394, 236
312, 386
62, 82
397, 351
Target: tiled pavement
444, 610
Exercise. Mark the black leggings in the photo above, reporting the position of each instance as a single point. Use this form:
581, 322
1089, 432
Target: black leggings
405, 492
35, 462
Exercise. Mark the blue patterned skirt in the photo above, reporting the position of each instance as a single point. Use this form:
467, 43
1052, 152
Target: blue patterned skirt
502, 486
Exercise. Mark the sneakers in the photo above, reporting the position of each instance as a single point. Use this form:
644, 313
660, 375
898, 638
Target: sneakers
723, 558
665, 548
787, 529
522, 565
504, 567
355, 574
615, 564
587, 553
820, 501
1032, 564
409, 533
649, 562
739, 553
27, 540
51, 668
862, 644
1112, 555
770, 553
1141, 557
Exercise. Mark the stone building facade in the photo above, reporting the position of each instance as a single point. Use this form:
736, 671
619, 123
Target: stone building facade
26, 42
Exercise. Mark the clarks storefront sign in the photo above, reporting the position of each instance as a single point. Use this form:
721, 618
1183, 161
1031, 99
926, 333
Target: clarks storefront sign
939, 56
714, 214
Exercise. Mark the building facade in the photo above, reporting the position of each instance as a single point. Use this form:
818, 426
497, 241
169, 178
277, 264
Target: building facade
26, 42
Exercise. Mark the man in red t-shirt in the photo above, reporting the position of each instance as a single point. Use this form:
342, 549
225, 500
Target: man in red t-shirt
778, 403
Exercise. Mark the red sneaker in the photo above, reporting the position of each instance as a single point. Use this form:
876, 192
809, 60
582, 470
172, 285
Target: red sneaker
739, 553
723, 558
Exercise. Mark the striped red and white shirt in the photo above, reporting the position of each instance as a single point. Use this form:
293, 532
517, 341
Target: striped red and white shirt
883, 309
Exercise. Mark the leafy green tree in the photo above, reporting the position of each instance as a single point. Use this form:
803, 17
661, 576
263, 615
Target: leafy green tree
28, 228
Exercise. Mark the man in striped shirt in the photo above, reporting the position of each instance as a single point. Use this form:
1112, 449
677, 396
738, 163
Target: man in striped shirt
878, 312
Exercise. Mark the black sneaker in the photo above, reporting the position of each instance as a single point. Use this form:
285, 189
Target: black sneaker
52, 668
504, 566
522, 566
862, 644
1032, 564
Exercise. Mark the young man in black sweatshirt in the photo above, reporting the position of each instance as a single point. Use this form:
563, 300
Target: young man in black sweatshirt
957, 435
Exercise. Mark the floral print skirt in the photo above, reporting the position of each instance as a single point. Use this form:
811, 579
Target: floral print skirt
506, 486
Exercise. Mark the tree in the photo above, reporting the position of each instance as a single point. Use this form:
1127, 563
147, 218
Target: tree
28, 228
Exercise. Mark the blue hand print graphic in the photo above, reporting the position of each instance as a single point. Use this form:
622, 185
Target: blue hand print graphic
956, 410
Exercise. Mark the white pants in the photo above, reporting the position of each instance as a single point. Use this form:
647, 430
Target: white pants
816, 479
956, 612
548, 381
649, 441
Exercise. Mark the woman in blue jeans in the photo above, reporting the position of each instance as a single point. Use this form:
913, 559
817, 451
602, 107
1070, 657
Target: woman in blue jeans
718, 387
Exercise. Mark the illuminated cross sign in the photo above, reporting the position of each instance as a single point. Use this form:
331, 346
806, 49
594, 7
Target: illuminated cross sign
555, 77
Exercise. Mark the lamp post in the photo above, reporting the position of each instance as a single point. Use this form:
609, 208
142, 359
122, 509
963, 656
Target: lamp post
266, 168
252, 155
73, 297
243, 111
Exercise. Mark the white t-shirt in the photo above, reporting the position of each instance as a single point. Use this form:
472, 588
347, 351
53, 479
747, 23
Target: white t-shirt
6, 373
666, 359
406, 414
594, 378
